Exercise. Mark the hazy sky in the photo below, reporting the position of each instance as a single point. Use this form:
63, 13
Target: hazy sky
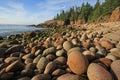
34, 11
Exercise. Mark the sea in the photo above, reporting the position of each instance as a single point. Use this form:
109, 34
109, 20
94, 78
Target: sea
6, 30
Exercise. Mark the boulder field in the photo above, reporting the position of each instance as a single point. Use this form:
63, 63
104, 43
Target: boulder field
90, 52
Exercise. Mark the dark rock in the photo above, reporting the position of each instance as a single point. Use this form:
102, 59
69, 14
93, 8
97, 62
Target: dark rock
42, 77
15, 48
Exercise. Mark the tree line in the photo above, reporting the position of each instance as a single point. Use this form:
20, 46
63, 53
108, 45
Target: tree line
87, 12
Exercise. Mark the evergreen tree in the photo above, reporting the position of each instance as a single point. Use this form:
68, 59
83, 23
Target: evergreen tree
87, 12
96, 11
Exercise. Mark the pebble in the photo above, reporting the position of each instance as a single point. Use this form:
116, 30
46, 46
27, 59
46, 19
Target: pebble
67, 45
38, 52
111, 57
34, 49
15, 66
60, 60
50, 57
36, 59
27, 72
11, 59
58, 72
42, 77
49, 68
42, 63
24, 78
7, 76
106, 44
60, 53
30, 66
90, 55
50, 50
15, 48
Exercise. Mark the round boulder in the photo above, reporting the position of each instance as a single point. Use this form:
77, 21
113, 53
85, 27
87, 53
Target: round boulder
97, 72
42, 77
107, 44
67, 45
77, 62
115, 66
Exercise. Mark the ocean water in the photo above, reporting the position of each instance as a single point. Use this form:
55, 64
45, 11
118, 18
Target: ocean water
16, 29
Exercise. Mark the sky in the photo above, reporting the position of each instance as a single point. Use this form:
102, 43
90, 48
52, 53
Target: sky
34, 11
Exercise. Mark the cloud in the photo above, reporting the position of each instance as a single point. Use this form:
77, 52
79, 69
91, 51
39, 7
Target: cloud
3, 9
23, 13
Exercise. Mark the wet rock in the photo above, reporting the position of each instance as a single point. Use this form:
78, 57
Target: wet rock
27, 50
74, 49
115, 52
97, 72
74, 41
67, 45
85, 44
15, 66
16, 54
77, 62
42, 63
111, 57
83, 37
107, 62
56, 36
27, 73
7, 76
50, 50
38, 52
92, 49
2, 52
28, 60
60, 53
15, 48
11, 59
3, 65
59, 47
60, 60
30, 66
50, 57
32, 45
27, 56
24, 78
42, 77
106, 44
50, 67
37, 59
58, 72
101, 51
69, 77
34, 49
115, 67
1, 60
90, 55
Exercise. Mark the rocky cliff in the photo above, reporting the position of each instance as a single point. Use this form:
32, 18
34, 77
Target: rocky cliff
115, 16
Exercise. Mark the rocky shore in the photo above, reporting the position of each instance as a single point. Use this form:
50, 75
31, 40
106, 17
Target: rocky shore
89, 52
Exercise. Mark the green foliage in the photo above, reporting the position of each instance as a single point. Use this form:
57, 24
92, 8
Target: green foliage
87, 12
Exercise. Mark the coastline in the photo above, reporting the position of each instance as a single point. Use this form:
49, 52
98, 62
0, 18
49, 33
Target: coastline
42, 52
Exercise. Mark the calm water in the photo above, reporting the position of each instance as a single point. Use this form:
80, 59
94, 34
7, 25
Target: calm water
15, 29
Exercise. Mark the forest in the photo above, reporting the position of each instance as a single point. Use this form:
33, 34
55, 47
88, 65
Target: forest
88, 13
